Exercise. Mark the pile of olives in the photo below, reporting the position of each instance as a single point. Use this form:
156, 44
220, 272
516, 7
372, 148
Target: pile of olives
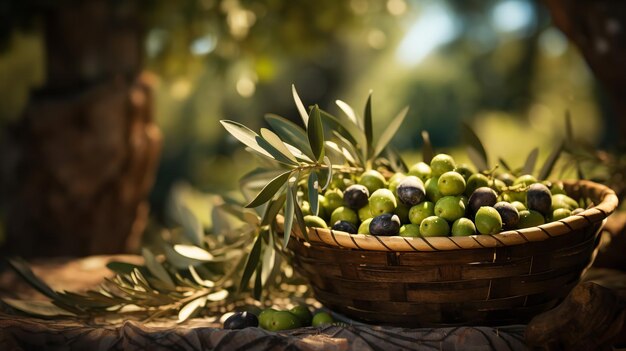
275, 320
439, 199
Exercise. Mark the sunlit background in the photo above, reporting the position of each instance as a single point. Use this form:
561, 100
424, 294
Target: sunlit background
499, 65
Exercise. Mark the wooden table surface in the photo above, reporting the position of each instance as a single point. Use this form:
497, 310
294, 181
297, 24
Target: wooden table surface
21, 332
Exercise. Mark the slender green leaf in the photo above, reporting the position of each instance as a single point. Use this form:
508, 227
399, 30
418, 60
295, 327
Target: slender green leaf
193, 252
251, 262
272, 209
156, 269
289, 208
548, 166
251, 218
219, 295
139, 276
198, 279
122, 267
300, 220
329, 177
348, 110
21, 267
258, 283
298, 154
349, 131
175, 259
369, 129
395, 160
259, 177
531, 160
334, 152
277, 144
390, 132
269, 190
427, 149
291, 133
315, 131
338, 153
350, 148
276, 154
245, 136
38, 307
473, 142
191, 308
192, 228
476, 158
504, 164
313, 192
300, 105
269, 258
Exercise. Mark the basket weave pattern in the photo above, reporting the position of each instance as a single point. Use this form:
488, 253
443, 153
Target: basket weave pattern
486, 279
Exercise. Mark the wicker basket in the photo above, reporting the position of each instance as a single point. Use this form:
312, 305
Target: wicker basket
485, 279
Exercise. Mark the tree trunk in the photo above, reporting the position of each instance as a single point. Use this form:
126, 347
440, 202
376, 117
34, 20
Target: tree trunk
82, 159
598, 29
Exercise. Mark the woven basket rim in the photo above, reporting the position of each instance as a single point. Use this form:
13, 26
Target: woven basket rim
608, 204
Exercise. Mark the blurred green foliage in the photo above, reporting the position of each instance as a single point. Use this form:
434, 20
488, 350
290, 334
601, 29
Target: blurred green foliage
498, 64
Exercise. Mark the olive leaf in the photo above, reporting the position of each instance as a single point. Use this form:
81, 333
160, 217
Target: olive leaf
156, 269
299, 105
299, 218
276, 154
476, 159
291, 133
175, 259
188, 310
427, 149
289, 208
349, 131
367, 122
313, 186
396, 162
329, 177
38, 307
198, 279
21, 267
192, 228
272, 209
349, 111
504, 164
334, 151
245, 136
259, 177
269, 258
258, 283
315, 132
278, 144
548, 166
193, 252
251, 262
390, 132
270, 190
531, 160
350, 149
122, 267
475, 149
218, 295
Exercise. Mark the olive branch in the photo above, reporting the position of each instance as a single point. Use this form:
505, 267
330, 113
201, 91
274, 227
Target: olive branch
206, 264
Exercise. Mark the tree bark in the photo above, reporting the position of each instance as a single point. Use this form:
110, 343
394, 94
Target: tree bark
82, 159
598, 29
